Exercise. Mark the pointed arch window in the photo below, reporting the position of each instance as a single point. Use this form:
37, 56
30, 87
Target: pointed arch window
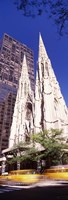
21, 88
46, 65
28, 88
42, 69
25, 91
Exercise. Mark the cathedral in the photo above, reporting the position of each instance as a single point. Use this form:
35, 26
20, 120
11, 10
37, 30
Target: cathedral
44, 109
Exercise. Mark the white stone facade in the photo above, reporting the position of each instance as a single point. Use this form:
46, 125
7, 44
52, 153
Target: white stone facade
22, 123
50, 107
44, 111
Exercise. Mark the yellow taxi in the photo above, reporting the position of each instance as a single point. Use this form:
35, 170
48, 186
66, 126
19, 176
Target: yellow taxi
24, 177
59, 172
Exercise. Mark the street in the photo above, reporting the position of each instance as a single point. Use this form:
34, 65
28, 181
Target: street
57, 192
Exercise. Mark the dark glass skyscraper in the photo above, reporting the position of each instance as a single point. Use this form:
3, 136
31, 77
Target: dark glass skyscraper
11, 58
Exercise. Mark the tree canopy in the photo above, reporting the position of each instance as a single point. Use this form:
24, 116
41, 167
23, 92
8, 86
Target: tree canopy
58, 10
54, 145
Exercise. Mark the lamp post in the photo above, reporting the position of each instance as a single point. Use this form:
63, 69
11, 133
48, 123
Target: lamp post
18, 162
3, 164
38, 166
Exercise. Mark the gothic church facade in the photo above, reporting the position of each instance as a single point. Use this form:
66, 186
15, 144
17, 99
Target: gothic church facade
45, 109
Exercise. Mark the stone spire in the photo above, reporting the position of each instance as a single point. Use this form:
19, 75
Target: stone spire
42, 50
22, 123
50, 107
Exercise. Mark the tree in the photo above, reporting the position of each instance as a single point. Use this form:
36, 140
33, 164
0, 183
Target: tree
54, 145
57, 9
52, 149
24, 152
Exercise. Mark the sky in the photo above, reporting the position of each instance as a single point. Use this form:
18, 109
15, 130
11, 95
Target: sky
26, 30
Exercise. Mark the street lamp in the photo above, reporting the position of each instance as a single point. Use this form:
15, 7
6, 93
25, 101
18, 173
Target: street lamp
3, 164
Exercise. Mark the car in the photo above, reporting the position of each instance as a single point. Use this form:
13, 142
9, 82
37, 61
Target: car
23, 177
59, 172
